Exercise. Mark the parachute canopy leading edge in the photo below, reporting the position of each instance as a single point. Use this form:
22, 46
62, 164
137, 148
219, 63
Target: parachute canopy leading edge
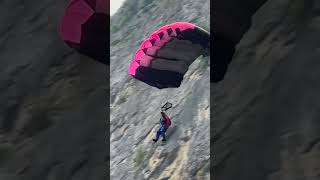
163, 58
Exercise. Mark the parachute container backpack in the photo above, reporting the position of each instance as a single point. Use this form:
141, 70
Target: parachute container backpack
165, 56
168, 121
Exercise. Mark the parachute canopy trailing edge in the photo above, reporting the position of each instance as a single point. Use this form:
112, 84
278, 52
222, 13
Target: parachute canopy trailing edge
165, 56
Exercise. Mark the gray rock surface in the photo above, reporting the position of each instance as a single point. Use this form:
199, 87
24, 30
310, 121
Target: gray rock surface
53, 100
135, 106
266, 110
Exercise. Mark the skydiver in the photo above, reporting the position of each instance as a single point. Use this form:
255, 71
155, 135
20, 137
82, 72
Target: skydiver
165, 123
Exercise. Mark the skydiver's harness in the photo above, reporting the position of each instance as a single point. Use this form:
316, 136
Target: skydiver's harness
164, 108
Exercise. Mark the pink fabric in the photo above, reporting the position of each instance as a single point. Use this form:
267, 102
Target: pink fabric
102, 6
153, 50
145, 61
77, 13
141, 59
133, 66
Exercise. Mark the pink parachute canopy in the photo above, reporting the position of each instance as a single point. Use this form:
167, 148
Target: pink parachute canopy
164, 57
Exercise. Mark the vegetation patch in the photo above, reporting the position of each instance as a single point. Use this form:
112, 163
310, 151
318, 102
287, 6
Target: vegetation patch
139, 156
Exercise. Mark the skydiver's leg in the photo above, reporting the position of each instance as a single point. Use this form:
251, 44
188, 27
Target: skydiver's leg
163, 136
157, 136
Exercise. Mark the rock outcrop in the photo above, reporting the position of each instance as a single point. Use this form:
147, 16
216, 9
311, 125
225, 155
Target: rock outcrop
53, 100
265, 111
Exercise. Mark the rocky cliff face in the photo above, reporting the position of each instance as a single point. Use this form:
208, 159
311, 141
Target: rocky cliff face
264, 113
266, 110
135, 106
52, 99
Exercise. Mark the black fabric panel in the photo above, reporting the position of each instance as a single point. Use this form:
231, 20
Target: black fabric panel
164, 58
178, 50
196, 36
94, 39
92, 4
158, 78
178, 31
153, 41
169, 65
161, 35
145, 50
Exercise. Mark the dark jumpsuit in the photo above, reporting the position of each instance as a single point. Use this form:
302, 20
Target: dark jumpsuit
162, 131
